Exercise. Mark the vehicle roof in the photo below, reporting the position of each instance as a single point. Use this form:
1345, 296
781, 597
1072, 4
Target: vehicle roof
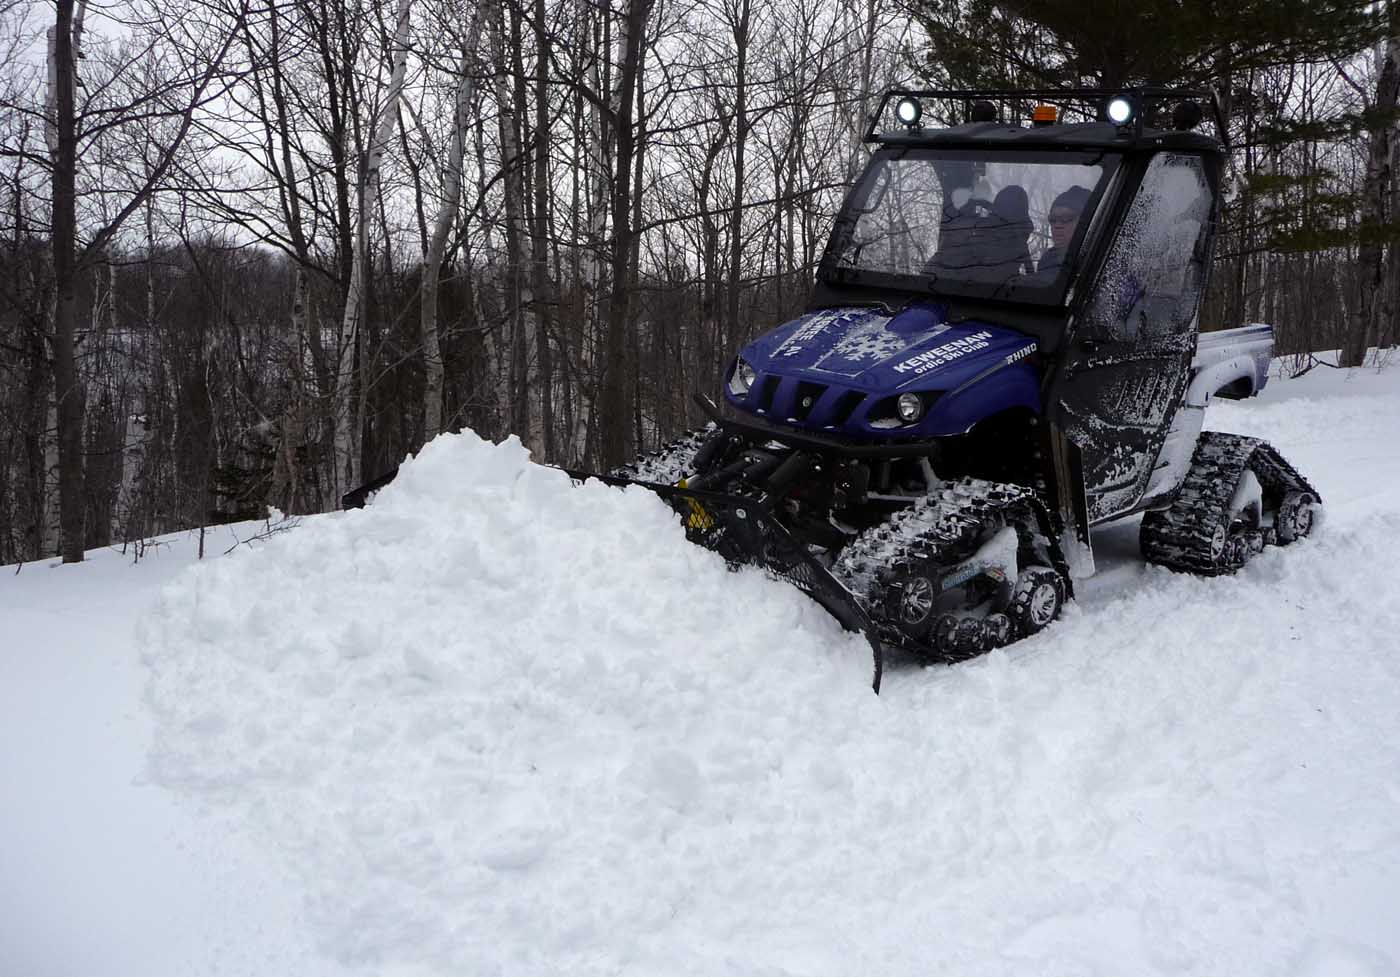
1075, 135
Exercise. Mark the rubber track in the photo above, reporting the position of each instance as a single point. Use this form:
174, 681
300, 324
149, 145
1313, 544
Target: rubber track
1179, 537
946, 527
666, 464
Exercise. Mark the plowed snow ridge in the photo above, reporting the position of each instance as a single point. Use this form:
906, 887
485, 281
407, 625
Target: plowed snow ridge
502, 724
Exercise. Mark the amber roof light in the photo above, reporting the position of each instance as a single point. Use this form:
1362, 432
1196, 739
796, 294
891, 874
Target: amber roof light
1044, 115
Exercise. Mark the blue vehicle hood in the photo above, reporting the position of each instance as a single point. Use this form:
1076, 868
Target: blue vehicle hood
840, 370
865, 348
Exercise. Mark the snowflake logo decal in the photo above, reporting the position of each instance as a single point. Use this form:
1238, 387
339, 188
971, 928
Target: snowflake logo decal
873, 342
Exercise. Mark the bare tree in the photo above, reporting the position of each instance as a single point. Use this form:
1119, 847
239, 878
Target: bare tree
616, 435
348, 409
442, 226
194, 82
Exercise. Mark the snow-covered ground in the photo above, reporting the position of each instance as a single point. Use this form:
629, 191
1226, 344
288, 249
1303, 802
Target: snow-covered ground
499, 724
103, 874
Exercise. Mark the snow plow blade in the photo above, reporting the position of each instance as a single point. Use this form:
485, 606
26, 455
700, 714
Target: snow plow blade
739, 529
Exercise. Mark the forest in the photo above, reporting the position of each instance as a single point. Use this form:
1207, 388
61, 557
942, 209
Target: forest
255, 252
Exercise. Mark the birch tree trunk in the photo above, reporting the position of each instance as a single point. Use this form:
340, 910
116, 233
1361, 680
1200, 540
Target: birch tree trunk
595, 26
345, 451
136, 423
442, 224
540, 283
580, 262
598, 152
634, 254
863, 108
1386, 333
516, 300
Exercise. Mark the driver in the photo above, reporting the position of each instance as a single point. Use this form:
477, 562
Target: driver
1064, 220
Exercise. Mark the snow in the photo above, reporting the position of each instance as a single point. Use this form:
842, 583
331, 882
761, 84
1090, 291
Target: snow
102, 873
499, 724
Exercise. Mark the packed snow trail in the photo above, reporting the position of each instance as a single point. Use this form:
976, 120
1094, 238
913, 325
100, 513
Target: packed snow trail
101, 873
502, 724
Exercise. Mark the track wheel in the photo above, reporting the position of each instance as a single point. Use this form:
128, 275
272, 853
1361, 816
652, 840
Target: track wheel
913, 598
958, 639
1229, 550
1295, 516
1037, 599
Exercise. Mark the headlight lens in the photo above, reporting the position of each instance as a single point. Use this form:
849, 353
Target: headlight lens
742, 379
910, 407
1120, 111
909, 111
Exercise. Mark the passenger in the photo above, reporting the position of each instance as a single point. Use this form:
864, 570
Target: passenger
985, 242
1064, 220
1007, 234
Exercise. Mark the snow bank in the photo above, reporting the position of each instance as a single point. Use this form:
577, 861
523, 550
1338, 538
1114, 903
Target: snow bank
489, 713
502, 724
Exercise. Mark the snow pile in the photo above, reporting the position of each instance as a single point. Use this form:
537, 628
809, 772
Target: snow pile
502, 724
487, 712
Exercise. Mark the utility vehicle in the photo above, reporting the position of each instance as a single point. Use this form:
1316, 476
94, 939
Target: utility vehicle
1000, 352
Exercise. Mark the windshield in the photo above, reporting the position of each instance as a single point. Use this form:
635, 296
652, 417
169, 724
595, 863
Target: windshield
979, 224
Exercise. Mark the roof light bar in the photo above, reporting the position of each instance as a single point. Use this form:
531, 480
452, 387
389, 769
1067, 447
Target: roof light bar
1138, 103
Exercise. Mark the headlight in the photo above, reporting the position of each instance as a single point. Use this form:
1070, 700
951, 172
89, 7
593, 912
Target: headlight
1120, 111
908, 110
910, 407
742, 379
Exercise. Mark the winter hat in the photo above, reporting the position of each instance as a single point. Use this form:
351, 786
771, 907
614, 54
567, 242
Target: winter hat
1072, 199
